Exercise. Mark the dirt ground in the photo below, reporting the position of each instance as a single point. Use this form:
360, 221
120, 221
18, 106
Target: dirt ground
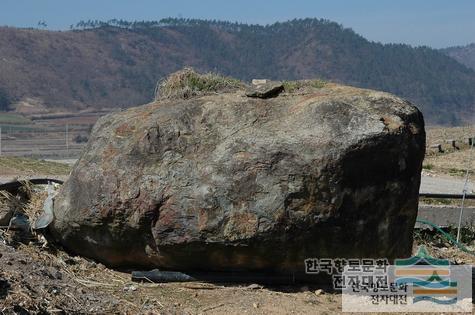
13, 168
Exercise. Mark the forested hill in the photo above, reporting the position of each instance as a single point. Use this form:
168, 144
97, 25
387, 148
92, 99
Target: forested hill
118, 63
463, 54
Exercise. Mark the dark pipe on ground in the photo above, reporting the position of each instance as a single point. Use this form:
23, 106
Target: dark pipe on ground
159, 276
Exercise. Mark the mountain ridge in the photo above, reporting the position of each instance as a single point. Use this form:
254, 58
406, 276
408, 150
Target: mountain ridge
463, 54
118, 64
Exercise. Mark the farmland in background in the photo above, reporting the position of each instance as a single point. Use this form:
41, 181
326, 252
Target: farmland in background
49, 136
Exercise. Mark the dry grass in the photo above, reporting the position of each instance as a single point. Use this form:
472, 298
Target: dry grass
441, 134
9, 205
34, 208
54, 294
22, 166
452, 161
187, 83
294, 86
45, 291
23, 202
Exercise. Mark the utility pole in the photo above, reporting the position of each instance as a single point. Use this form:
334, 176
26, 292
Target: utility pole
0, 140
67, 140
465, 188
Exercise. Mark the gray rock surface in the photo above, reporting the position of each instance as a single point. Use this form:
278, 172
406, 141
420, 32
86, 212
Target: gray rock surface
265, 90
227, 182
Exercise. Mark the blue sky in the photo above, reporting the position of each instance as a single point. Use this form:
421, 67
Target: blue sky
435, 23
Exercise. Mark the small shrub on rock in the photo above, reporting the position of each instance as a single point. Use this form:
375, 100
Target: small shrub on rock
187, 83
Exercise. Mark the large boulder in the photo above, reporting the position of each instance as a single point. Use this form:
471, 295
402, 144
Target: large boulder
228, 182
